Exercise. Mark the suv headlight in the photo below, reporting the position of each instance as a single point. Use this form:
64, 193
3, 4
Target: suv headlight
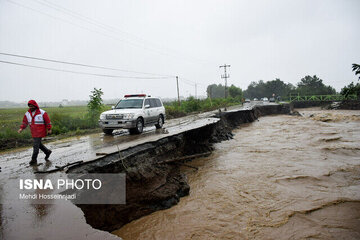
102, 116
128, 115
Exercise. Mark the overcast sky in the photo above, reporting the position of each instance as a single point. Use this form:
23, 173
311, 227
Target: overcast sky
261, 40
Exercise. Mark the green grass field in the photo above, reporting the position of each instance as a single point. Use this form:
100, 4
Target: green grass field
65, 121
12, 118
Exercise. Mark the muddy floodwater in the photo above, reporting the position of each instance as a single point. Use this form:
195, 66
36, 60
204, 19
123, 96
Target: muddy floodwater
282, 177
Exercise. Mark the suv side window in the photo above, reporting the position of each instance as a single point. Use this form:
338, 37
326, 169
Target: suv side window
152, 103
147, 102
158, 102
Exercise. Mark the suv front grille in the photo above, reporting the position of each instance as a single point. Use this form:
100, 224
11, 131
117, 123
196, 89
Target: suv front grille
114, 116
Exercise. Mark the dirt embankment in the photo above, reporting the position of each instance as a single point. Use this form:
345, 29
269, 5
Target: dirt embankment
350, 105
153, 185
14, 143
346, 104
308, 104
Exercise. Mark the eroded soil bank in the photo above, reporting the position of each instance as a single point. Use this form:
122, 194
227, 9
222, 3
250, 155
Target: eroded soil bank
346, 104
152, 184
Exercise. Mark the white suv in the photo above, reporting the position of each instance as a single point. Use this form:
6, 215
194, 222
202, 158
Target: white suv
134, 112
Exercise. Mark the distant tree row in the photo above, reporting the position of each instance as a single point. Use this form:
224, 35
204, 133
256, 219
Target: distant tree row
218, 91
309, 85
267, 89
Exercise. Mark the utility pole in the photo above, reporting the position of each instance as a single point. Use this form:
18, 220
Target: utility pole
226, 76
177, 84
195, 91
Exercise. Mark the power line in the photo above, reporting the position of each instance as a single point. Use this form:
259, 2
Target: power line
71, 23
184, 80
105, 26
87, 19
83, 73
188, 81
98, 75
86, 28
101, 33
190, 84
193, 82
80, 64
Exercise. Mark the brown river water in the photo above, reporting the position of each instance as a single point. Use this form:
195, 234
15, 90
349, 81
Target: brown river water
282, 177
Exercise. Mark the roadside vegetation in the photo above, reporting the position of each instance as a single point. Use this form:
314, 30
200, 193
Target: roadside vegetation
192, 105
66, 121
215, 100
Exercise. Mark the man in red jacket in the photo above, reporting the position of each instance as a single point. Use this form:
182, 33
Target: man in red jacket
40, 126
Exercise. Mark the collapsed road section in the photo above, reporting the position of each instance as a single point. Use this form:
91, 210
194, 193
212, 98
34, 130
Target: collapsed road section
153, 177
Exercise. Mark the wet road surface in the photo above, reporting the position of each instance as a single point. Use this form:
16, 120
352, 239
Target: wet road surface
282, 177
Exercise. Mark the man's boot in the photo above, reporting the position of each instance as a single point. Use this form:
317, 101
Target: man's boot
33, 162
48, 155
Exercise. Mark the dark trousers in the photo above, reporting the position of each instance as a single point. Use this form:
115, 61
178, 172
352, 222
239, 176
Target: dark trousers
36, 146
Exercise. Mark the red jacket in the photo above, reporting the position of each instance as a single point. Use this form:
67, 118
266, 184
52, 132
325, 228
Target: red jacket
39, 121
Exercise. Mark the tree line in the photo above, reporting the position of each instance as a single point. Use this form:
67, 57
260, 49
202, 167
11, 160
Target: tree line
308, 86
218, 91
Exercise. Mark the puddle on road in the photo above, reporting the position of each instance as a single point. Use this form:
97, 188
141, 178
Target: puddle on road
65, 151
282, 177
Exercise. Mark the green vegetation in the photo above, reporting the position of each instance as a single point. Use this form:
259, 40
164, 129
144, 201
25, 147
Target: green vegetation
65, 121
235, 92
351, 89
313, 86
95, 107
309, 85
218, 91
10, 121
173, 110
267, 89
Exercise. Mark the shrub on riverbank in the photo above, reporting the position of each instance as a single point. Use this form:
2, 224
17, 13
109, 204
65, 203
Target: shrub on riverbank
192, 105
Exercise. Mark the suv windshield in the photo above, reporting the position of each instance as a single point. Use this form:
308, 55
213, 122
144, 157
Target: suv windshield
130, 103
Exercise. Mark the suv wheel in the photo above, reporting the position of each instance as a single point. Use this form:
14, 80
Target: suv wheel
139, 126
160, 122
108, 131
